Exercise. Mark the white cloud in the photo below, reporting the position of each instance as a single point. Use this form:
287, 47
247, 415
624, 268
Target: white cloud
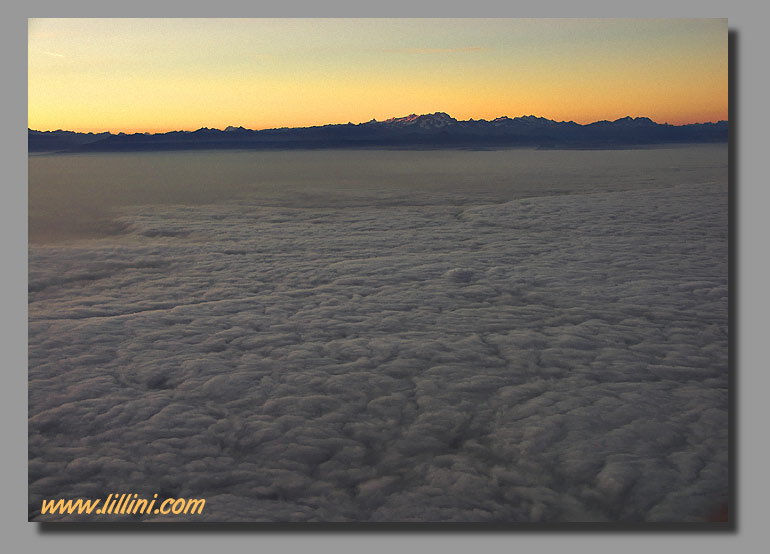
545, 359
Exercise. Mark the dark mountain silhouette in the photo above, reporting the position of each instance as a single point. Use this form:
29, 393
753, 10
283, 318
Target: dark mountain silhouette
437, 130
42, 141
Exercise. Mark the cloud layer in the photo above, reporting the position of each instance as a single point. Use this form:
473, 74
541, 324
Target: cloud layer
556, 358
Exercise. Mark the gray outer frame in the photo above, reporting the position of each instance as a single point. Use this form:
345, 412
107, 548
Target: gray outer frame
750, 197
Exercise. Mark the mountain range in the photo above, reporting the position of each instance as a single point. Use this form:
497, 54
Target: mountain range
437, 130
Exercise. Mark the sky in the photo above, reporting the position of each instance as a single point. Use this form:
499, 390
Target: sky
157, 75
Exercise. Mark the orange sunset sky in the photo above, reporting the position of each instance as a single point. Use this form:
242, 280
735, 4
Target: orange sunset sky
155, 75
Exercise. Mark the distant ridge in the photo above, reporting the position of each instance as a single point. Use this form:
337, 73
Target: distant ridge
437, 130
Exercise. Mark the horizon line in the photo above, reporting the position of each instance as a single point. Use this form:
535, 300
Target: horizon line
373, 120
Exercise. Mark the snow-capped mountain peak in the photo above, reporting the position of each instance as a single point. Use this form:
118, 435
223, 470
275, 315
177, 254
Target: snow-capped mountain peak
435, 120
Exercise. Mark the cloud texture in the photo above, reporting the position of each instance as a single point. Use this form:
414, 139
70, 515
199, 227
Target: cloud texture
556, 358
